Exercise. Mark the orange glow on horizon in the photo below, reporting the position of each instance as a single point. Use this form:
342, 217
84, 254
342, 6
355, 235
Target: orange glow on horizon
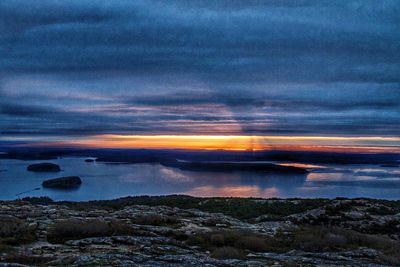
246, 137
367, 144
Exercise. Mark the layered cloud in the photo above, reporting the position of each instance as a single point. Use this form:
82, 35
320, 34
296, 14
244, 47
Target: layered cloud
307, 67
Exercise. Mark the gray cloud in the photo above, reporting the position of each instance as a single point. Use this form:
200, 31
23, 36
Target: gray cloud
301, 67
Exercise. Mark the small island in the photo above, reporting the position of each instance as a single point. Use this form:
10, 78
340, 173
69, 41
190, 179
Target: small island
63, 182
44, 167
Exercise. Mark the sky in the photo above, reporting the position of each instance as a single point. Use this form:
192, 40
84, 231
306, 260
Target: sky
79, 70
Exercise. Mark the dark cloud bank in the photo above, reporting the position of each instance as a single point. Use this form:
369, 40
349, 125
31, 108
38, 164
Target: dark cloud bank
178, 67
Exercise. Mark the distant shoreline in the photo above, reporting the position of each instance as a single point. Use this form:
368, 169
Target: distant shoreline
181, 201
160, 156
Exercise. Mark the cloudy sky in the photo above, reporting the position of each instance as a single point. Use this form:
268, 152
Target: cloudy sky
78, 68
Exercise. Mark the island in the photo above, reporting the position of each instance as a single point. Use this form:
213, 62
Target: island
44, 167
225, 166
63, 182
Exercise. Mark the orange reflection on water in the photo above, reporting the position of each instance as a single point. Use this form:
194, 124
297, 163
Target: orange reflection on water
233, 191
303, 165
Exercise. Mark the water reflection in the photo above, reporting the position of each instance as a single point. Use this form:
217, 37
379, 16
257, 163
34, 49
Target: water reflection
233, 191
243, 184
107, 181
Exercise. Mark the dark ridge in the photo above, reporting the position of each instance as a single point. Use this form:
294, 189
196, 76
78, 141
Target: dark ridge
234, 166
155, 156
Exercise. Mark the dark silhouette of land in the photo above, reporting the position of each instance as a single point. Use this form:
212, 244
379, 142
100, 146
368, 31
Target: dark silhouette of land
169, 157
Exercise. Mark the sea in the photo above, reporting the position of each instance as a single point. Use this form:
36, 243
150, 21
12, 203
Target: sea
102, 180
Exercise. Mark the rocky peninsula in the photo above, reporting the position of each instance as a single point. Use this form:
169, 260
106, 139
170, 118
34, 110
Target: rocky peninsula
188, 231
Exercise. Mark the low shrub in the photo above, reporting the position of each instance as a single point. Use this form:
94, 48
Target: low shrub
155, 219
4, 248
228, 253
14, 231
177, 235
388, 228
339, 208
241, 208
317, 239
27, 259
242, 240
382, 210
307, 238
253, 243
214, 222
217, 239
75, 229
38, 200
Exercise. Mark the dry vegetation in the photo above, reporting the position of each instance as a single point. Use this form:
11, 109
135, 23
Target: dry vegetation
234, 243
77, 229
14, 231
228, 253
226, 240
155, 219
27, 259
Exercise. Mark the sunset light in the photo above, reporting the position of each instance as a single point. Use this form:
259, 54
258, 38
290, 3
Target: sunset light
236, 143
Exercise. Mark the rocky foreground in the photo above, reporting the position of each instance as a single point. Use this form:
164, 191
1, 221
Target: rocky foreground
252, 232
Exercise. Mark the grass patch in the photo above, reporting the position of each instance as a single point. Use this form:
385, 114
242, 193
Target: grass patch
14, 231
177, 235
73, 229
228, 253
27, 259
38, 200
241, 208
393, 204
317, 239
338, 208
309, 239
215, 222
5, 248
382, 210
388, 228
230, 243
155, 219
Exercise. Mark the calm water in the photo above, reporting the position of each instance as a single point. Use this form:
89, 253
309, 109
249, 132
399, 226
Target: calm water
108, 181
